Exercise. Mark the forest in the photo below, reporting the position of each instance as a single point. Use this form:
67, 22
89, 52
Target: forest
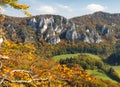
27, 59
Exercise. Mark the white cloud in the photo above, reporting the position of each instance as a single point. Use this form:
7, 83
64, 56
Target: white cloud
46, 9
95, 7
2, 10
65, 7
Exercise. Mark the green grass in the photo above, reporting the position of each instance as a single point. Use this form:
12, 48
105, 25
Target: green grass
95, 73
100, 75
92, 55
117, 69
57, 58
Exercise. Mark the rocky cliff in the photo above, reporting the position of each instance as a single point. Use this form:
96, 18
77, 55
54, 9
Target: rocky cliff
101, 26
93, 28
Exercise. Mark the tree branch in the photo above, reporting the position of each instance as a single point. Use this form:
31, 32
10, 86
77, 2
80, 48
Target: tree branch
1, 80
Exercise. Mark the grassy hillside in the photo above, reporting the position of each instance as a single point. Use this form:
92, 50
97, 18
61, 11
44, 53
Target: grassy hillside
92, 64
117, 68
100, 75
65, 56
25, 57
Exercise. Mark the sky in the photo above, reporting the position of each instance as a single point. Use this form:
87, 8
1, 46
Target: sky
66, 8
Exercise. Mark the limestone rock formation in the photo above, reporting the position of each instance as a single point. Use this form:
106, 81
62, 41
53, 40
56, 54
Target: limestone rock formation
93, 28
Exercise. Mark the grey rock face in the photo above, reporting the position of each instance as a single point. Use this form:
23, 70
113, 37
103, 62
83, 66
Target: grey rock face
41, 22
32, 22
54, 28
71, 35
103, 29
92, 38
84, 38
97, 38
54, 40
48, 28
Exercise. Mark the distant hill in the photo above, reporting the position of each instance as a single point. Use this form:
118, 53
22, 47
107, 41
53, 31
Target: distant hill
28, 42
107, 25
92, 28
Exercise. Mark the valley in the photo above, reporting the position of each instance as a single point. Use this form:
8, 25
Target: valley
53, 51
94, 72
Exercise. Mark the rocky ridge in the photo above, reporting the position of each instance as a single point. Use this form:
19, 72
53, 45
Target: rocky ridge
93, 28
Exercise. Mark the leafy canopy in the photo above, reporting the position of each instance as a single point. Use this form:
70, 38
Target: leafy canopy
16, 5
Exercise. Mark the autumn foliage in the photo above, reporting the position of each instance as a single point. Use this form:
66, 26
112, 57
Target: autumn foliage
25, 68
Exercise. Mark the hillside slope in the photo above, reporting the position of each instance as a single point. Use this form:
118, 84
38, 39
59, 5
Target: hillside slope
105, 24
93, 28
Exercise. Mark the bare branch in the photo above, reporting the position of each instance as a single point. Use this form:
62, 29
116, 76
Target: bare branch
0, 64
18, 81
4, 57
20, 71
39, 81
1, 80
32, 79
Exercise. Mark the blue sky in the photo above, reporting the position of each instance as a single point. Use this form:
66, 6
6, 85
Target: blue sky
66, 8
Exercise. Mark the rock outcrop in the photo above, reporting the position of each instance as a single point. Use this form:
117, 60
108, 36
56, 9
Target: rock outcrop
71, 35
93, 28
